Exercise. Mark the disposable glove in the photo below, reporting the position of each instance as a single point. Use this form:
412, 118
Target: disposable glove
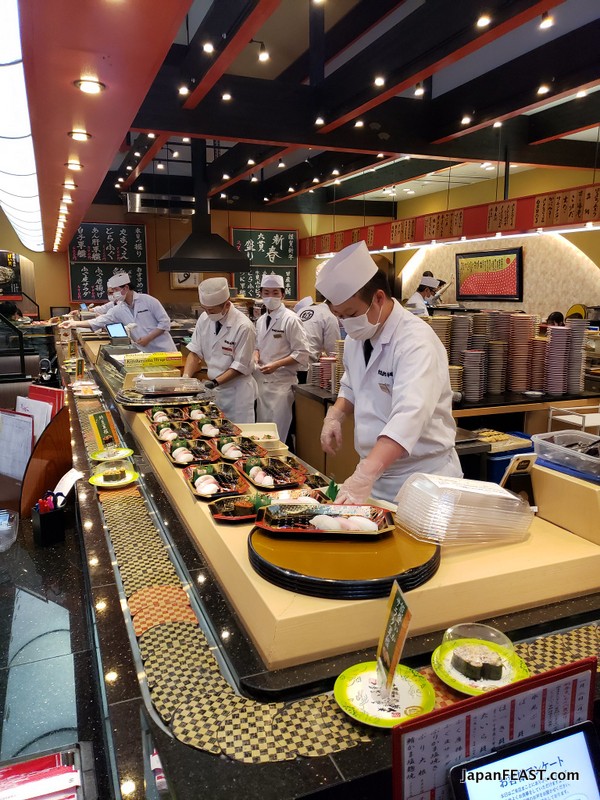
356, 490
331, 432
210, 384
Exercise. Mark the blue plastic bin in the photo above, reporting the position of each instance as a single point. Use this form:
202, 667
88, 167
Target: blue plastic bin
498, 462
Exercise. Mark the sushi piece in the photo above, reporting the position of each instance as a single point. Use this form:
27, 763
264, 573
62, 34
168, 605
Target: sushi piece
251, 464
242, 507
326, 523
254, 472
207, 428
362, 524
477, 662
182, 455
159, 415
165, 432
197, 413
208, 488
263, 479
231, 450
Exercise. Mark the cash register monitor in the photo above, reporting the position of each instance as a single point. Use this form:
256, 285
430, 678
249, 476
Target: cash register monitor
118, 334
564, 764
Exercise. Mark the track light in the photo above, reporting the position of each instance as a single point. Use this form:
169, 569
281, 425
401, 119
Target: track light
547, 20
137, 154
280, 164
359, 124
543, 89
315, 180
290, 188
152, 136
183, 91
251, 162
497, 124
263, 53
319, 121
335, 171
379, 80
483, 21
225, 176
419, 90
465, 120
160, 165
226, 96
208, 47
253, 179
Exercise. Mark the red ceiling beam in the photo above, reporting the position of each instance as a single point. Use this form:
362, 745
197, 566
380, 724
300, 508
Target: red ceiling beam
251, 25
418, 77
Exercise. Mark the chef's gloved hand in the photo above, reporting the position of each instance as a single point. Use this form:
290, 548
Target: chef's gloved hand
210, 384
331, 432
356, 490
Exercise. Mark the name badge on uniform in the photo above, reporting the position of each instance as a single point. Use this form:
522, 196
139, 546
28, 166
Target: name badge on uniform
385, 387
277, 335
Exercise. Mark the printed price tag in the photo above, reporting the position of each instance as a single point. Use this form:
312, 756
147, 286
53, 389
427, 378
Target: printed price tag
394, 635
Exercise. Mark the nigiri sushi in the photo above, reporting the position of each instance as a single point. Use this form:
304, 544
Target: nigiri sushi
160, 416
208, 488
196, 413
182, 455
263, 479
326, 523
362, 524
209, 430
254, 472
167, 435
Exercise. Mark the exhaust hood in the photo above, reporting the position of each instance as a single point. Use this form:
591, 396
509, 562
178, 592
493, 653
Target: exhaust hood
202, 251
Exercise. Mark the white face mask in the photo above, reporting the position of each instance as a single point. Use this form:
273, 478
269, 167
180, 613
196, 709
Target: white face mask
360, 328
117, 297
272, 303
217, 317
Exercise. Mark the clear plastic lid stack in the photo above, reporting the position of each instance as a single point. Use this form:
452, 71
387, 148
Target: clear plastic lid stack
443, 510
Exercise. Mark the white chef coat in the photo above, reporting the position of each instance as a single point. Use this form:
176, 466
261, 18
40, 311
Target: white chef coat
284, 337
403, 393
148, 314
232, 348
416, 305
322, 330
100, 310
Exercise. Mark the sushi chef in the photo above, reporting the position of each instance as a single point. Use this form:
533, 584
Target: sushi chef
395, 382
225, 339
281, 350
426, 290
321, 328
142, 314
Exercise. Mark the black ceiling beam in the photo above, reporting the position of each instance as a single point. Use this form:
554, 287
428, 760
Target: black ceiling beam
235, 162
563, 64
576, 115
416, 47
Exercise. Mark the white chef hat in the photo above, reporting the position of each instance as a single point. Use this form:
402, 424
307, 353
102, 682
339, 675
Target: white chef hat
213, 292
302, 304
427, 280
346, 273
118, 279
272, 281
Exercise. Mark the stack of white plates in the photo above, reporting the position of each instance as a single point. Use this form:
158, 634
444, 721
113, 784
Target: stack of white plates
557, 356
434, 508
442, 327
456, 378
497, 360
462, 327
537, 363
576, 363
474, 375
500, 325
522, 327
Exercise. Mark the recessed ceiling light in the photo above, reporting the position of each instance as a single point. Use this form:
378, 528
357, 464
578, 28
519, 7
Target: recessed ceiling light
137, 154
152, 136
419, 90
128, 167
319, 121
380, 155
79, 135
74, 165
266, 199
68, 184
280, 164
483, 21
208, 47
543, 89
359, 124
581, 93
140, 188
223, 196
90, 85
225, 176
315, 180
335, 171
547, 20
290, 188
251, 162
465, 120
66, 198
497, 124
186, 140
183, 91
160, 165
253, 179
62, 217
226, 96
379, 81
117, 185
63, 209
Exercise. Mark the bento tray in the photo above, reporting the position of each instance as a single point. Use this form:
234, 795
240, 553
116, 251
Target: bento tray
139, 402
247, 446
209, 410
226, 428
290, 520
316, 481
174, 413
222, 509
184, 430
274, 467
230, 481
202, 449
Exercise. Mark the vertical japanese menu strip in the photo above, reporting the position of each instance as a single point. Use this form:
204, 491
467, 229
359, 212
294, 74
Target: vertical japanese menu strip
10, 277
268, 251
99, 250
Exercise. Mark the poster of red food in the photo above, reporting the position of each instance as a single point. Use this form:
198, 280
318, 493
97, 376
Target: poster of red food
490, 275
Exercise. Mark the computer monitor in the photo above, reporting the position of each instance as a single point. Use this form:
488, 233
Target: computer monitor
118, 334
564, 764
59, 311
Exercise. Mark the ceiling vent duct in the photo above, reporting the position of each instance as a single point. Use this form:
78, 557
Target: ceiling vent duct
163, 204
202, 251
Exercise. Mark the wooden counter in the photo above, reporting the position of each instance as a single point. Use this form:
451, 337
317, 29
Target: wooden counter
288, 628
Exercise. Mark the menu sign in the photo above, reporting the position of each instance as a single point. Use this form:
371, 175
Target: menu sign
268, 251
10, 276
99, 250
248, 283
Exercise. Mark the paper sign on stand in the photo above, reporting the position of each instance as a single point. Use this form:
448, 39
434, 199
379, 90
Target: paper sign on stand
39, 410
104, 430
393, 637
